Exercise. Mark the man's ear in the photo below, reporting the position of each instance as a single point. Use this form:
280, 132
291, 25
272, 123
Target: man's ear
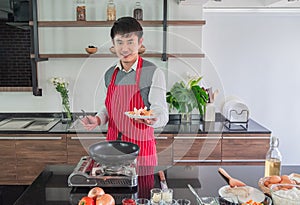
141, 41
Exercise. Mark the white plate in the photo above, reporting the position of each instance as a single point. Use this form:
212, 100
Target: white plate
139, 116
254, 194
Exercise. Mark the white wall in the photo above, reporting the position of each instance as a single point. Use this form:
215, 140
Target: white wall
257, 57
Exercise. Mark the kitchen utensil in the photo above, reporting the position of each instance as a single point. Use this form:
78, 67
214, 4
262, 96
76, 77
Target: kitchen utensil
195, 194
85, 115
231, 181
114, 153
163, 182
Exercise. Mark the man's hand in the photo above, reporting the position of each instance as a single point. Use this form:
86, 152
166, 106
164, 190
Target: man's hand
90, 122
147, 121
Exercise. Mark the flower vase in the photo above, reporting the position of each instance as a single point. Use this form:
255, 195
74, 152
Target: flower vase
66, 116
185, 117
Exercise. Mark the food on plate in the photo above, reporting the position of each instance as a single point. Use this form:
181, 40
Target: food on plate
251, 202
105, 199
86, 201
141, 112
242, 191
95, 192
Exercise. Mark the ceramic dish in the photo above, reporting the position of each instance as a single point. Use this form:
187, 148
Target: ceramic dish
254, 194
139, 116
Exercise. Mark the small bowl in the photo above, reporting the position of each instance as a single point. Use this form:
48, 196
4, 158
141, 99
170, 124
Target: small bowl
285, 194
91, 50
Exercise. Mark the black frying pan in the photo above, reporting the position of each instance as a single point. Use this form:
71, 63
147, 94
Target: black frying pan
114, 153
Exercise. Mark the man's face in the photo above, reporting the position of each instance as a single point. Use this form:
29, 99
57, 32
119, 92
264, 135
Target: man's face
127, 47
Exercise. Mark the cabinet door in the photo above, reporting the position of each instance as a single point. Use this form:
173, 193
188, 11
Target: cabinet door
164, 147
192, 150
7, 160
247, 149
77, 145
34, 152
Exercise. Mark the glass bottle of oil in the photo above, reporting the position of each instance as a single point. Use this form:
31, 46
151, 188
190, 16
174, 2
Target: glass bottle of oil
111, 10
273, 159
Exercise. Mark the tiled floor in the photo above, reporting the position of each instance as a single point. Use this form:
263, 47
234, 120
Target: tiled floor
9, 194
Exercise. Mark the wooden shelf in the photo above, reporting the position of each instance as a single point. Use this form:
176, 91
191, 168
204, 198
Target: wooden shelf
108, 55
110, 23
15, 89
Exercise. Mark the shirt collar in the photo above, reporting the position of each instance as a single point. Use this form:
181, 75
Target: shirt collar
133, 67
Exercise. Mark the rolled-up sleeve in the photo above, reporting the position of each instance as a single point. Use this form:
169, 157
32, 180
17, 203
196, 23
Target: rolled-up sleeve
157, 99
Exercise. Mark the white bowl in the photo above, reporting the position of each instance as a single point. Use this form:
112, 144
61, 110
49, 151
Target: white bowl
288, 194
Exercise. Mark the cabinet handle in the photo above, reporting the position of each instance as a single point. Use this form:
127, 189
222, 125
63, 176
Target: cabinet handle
38, 138
247, 138
88, 138
196, 160
212, 138
6, 138
161, 138
243, 160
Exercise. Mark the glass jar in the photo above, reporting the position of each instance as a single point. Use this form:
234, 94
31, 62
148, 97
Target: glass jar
273, 159
111, 10
138, 11
80, 10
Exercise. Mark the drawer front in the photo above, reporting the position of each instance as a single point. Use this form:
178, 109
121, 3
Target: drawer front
197, 150
41, 149
164, 147
8, 170
244, 149
77, 145
7, 149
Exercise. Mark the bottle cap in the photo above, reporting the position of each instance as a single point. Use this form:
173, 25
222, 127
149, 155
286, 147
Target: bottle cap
274, 141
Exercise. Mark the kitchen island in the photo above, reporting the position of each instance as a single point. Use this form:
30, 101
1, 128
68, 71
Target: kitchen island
51, 186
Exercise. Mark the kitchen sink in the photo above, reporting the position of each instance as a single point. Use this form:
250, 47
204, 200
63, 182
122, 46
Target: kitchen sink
28, 124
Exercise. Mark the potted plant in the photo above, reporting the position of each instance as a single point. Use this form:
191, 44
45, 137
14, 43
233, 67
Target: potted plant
184, 97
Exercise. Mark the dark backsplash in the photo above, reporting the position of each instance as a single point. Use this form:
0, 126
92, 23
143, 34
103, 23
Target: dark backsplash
15, 66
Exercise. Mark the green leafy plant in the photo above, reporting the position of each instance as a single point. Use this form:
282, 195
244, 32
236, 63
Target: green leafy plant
186, 97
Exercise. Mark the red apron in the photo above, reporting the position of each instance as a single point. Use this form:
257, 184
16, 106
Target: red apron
122, 98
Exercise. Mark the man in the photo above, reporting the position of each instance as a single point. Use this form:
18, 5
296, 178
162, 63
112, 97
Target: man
132, 83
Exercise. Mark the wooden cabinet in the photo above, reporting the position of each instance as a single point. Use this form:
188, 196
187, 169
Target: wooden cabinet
196, 149
35, 151
7, 160
77, 145
244, 148
164, 149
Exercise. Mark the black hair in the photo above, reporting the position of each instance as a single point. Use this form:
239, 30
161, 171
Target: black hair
126, 25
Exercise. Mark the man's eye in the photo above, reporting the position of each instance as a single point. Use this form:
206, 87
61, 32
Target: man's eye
119, 43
